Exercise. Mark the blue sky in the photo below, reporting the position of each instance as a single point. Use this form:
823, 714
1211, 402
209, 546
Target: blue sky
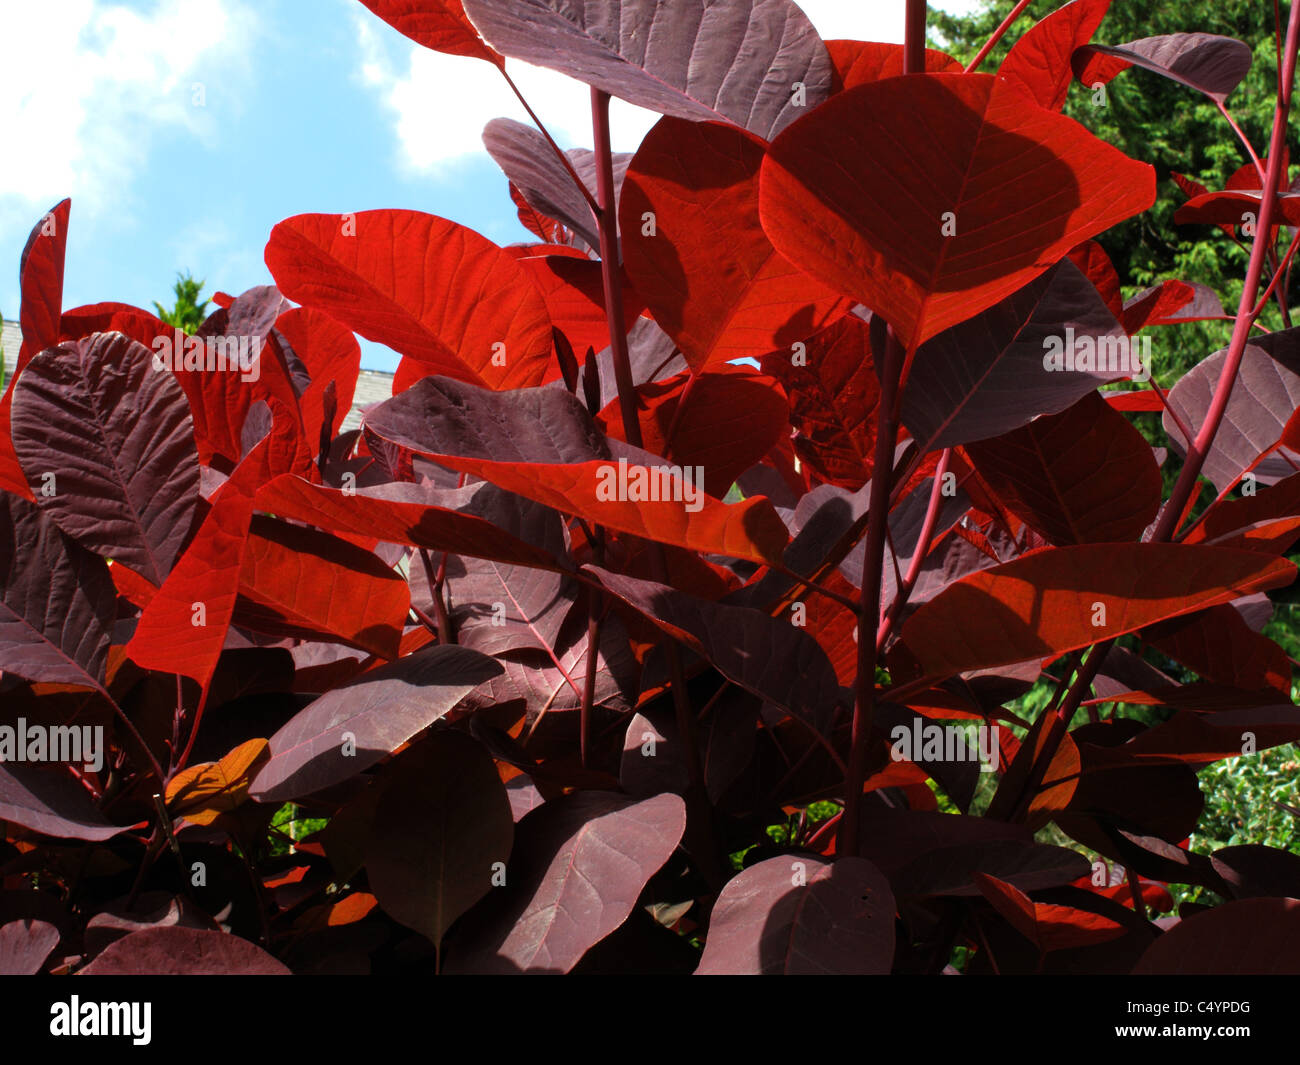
184, 130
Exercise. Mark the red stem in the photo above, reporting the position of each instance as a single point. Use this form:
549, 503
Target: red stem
1199, 448
905, 587
873, 560
998, 34
610, 268
559, 153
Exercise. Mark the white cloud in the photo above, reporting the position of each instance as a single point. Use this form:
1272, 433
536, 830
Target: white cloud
85, 86
439, 104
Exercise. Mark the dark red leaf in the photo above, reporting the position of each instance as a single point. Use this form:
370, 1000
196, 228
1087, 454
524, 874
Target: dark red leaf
1079, 477
106, 442
172, 951
578, 866
991, 374
1021, 186
738, 62
802, 916
1214, 65
443, 820
24, 946
57, 601
349, 729
1245, 938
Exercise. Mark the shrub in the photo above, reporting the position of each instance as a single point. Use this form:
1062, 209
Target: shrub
637, 630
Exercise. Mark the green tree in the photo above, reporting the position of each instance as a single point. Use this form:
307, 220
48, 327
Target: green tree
1173, 128
187, 314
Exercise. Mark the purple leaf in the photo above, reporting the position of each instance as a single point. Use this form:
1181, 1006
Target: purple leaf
526, 158
578, 867
737, 61
115, 435
1263, 399
352, 727
57, 601
49, 801
495, 607
986, 376
1212, 64
770, 658
151, 910
24, 946
1249, 937
799, 916
172, 951
442, 822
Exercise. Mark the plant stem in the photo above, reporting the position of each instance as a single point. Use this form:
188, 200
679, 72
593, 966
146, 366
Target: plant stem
1199, 448
914, 37
611, 268
903, 590
873, 560
991, 43
873, 557
559, 153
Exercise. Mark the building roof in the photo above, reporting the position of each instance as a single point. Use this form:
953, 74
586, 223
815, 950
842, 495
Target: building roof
10, 341
372, 387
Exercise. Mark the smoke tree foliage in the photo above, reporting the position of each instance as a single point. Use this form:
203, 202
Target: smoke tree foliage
776, 461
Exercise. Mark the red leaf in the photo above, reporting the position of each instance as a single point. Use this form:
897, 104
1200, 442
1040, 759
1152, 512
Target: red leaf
183, 629
1043, 604
1021, 185
1082, 476
1040, 61
330, 353
1221, 647
437, 24
402, 514
1091, 258
540, 444
834, 390
432, 290
40, 274
724, 420
859, 62
575, 299
1048, 927
296, 581
707, 272
801, 916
